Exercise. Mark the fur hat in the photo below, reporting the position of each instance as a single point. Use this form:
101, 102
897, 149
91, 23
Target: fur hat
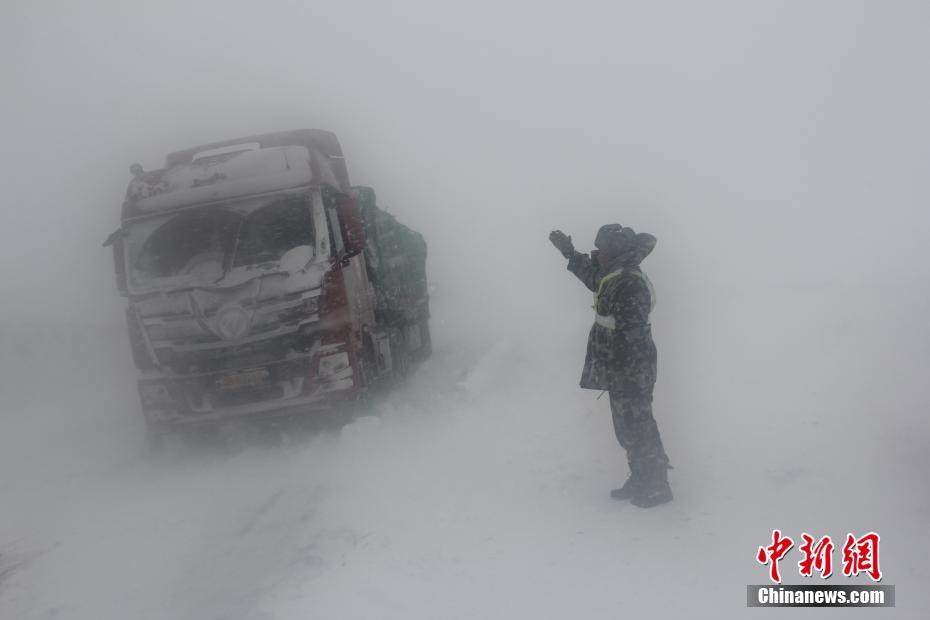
625, 244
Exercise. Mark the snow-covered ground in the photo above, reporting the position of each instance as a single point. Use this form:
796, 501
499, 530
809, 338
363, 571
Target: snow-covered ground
480, 490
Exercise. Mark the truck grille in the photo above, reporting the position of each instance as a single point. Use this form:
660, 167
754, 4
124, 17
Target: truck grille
272, 323
279, 379
246, 396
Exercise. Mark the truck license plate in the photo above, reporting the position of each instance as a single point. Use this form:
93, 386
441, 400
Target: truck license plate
252, 378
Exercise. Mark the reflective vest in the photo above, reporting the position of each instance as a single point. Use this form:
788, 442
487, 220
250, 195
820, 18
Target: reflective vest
607, 320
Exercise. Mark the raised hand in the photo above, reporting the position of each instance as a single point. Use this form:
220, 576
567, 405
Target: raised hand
562, 242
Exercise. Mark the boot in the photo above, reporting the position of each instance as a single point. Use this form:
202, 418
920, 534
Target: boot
626, 491
654, 490
652, 495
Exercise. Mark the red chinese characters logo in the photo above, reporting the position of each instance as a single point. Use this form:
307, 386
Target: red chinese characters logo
817, 557
860, 555
773, 553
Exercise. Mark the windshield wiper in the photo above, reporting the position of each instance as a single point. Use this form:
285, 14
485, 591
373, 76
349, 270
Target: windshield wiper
227, 267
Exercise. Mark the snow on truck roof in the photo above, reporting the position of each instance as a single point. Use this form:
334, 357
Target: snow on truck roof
236, 168
223, 151
314, 139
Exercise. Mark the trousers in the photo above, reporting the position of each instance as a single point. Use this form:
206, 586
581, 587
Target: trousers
638, 434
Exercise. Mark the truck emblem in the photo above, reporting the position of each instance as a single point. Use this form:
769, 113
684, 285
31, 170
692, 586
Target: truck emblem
231, 322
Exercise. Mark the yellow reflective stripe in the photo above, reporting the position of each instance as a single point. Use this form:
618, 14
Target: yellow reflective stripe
652, 291
604, 280
605, 321
636, 273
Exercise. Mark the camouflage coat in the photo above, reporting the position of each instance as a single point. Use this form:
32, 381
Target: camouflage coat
621, 354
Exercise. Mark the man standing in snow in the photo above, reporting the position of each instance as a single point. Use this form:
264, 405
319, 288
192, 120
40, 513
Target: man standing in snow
621, 357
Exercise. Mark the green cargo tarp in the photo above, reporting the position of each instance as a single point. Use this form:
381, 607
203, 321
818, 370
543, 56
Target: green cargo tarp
396, 261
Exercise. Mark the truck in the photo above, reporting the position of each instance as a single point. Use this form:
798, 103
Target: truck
261, 285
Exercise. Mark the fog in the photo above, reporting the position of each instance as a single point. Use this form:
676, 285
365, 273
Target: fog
777, 150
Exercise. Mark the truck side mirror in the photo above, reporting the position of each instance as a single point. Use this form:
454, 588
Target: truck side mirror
116, 240
353, 229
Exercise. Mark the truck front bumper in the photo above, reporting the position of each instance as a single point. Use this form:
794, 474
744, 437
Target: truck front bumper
300, 385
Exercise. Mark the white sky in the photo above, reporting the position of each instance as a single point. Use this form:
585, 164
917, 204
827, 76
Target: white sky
759, 141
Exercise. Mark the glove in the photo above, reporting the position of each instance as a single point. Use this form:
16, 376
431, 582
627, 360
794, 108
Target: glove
562, 242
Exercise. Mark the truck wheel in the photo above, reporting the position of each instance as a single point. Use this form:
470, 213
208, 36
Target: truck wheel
426, 342
363, 407
334, 420
400, 359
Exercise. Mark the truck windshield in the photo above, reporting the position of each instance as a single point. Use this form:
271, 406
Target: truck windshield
202, 244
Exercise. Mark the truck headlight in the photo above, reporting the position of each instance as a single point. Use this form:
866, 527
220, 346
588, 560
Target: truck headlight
312, 305
301, 313
333, 364
155, 396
